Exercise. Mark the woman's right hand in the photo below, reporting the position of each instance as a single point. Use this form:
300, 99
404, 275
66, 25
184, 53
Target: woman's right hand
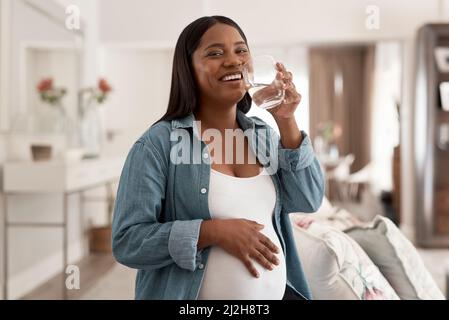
242, 238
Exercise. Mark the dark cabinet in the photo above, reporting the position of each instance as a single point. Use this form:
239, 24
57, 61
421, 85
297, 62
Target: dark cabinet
431, 152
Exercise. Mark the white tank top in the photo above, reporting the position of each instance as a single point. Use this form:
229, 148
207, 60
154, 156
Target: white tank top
225, 276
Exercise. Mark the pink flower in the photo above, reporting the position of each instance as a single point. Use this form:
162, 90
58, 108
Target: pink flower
104, 86
48, 93
45, 85
337, 131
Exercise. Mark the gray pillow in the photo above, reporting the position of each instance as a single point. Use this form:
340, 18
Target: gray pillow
397, 259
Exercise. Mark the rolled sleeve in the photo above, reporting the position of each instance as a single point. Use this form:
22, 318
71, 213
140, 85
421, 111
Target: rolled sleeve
182, 243
296, 159
140, 238
302, 183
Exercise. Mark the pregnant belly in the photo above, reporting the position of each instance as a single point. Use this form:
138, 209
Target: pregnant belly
226, 277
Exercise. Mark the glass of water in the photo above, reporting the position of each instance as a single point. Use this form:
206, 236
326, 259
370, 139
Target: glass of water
259, 75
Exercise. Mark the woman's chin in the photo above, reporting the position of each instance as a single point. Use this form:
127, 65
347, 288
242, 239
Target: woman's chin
233, 98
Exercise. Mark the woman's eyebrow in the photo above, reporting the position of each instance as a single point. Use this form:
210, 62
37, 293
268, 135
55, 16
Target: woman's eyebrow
221, 45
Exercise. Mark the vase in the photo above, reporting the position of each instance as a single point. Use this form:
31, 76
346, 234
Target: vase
333, 151
91, 132
51, 119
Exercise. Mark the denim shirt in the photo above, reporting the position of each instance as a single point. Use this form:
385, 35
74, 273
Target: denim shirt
161, 203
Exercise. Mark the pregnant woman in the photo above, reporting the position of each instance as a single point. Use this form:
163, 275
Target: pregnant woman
204, 196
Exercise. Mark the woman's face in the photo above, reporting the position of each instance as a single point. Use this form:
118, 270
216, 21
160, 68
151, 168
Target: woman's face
218, 63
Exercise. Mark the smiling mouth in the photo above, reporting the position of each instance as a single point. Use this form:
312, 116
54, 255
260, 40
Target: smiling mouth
232, 77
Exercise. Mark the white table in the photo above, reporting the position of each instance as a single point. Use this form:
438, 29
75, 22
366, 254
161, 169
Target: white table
54, 177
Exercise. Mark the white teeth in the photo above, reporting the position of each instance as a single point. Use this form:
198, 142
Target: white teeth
232, 77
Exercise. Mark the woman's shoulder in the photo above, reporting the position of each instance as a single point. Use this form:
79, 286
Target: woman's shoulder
157, 136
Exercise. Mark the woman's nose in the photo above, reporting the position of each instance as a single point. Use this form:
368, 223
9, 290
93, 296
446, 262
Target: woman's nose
234, 60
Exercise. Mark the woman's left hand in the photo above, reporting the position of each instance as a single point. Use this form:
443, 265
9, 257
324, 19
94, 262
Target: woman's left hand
292, 98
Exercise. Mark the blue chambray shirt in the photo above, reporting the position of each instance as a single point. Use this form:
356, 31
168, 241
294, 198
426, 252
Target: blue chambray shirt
160, 205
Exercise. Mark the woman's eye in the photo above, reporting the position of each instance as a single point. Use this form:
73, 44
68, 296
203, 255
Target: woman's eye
242, 50
214, 54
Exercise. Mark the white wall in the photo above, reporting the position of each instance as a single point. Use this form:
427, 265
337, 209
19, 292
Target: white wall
4, 62
29, 28
141, 80
145, 21
3, 88
89, 13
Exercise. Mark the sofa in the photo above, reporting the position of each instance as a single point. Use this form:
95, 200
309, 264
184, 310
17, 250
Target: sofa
348, 259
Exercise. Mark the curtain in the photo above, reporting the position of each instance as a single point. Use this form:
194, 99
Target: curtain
340, 90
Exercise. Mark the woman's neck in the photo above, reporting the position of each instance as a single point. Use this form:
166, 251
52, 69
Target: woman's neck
217, 118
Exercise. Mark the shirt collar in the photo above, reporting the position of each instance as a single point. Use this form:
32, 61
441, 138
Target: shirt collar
244, 121
186, 122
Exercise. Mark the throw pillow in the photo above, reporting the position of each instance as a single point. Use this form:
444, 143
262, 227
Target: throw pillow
397, 259
335, 266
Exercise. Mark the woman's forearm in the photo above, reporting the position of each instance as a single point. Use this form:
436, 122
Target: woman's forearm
208, 234
291, 136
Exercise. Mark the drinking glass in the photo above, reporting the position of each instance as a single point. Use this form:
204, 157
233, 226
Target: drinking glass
259, 75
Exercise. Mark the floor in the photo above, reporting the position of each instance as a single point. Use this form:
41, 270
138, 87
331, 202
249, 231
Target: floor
437, 262
117, 284
92, 269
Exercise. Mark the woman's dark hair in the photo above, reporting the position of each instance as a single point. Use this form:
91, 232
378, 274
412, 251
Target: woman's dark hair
184, 93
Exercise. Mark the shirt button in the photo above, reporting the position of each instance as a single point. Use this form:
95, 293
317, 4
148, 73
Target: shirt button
203, 190
201, 266
205, 156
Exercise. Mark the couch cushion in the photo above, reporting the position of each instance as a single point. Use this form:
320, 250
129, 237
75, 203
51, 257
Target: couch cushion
397, 259
336, 267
